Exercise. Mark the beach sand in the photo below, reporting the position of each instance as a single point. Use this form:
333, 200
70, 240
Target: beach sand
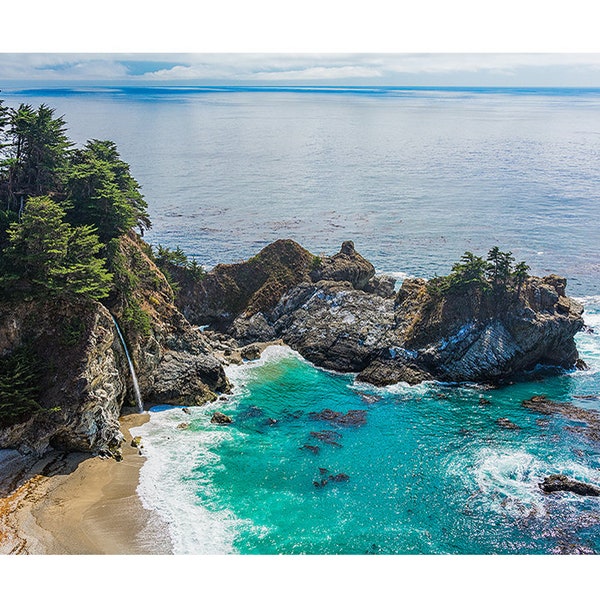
77, 504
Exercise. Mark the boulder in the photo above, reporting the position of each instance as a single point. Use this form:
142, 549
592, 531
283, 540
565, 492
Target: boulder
346, 265
251, 352
220, 419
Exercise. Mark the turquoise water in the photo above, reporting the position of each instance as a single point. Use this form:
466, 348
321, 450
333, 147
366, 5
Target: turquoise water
430, 471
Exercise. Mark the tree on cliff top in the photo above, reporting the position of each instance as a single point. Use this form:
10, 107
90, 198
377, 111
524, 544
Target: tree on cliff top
474, 272
46, 254
38, 153
101, 191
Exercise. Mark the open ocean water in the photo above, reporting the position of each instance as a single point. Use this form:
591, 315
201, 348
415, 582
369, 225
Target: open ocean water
415, 178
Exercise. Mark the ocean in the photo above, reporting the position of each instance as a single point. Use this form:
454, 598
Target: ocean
414, 177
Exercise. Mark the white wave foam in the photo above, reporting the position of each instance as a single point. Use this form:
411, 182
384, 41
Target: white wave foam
508, 480
240, 374
588, 300
170, 477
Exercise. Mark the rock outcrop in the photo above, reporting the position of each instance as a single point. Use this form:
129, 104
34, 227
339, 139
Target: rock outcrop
341, 316
247, 288
82, 371
80, 363
562, 483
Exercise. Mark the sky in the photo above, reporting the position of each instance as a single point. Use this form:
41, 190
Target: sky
301, 69
509, 43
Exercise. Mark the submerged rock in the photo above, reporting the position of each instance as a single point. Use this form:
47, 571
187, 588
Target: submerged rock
339, 478
313, 449
507, 424
562, 483
328, 437
352, 417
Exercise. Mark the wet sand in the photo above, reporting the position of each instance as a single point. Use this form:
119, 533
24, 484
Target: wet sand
77, 504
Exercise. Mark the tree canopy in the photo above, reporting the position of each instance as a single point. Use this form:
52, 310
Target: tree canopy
494, 274
60, 206
45, 253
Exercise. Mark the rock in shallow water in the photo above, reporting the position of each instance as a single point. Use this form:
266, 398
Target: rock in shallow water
220, 419
562, 483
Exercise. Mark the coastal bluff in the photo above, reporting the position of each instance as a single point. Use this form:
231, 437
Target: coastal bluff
69, 350
338, 314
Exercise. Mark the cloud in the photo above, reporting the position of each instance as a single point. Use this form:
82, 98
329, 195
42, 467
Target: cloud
383, 69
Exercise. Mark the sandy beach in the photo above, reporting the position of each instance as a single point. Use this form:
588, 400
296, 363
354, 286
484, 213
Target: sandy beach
77, 504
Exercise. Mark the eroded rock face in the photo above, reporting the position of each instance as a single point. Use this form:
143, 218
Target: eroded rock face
340, 316
84, 375
246, 288
346, 265
85, 379
174, 361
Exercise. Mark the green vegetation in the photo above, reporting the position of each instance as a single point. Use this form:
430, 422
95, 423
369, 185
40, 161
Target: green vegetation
20, 374
64, 216
492, 275
46, 254
165, 258
61, 208
316, 263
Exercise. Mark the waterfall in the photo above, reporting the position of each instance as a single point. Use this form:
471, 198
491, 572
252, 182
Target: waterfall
136, 387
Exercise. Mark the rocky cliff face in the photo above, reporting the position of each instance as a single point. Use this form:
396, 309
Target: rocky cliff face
345, 318
82, 370
84, 379
247, 288
173, 359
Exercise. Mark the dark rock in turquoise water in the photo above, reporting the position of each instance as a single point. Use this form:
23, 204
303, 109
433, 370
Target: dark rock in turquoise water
339, 478
313, 449
591, 418
220, 419
328, 437
562, 483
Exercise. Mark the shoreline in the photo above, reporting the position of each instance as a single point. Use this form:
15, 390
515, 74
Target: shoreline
74, 503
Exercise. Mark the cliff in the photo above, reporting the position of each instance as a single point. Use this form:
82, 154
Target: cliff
66, 374
340, 316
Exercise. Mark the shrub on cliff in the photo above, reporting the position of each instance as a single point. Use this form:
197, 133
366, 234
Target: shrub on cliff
19, 386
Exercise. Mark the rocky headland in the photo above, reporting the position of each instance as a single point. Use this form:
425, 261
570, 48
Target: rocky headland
74, 353
334, 310
337, 313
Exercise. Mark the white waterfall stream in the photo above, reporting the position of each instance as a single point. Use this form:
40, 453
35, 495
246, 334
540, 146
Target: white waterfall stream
136, 387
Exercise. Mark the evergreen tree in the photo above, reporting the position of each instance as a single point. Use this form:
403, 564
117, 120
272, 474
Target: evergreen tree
469, 271
520, 275
38, 154
46, 254
102, 192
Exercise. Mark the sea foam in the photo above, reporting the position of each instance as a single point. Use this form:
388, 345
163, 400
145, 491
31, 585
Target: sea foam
169, 482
